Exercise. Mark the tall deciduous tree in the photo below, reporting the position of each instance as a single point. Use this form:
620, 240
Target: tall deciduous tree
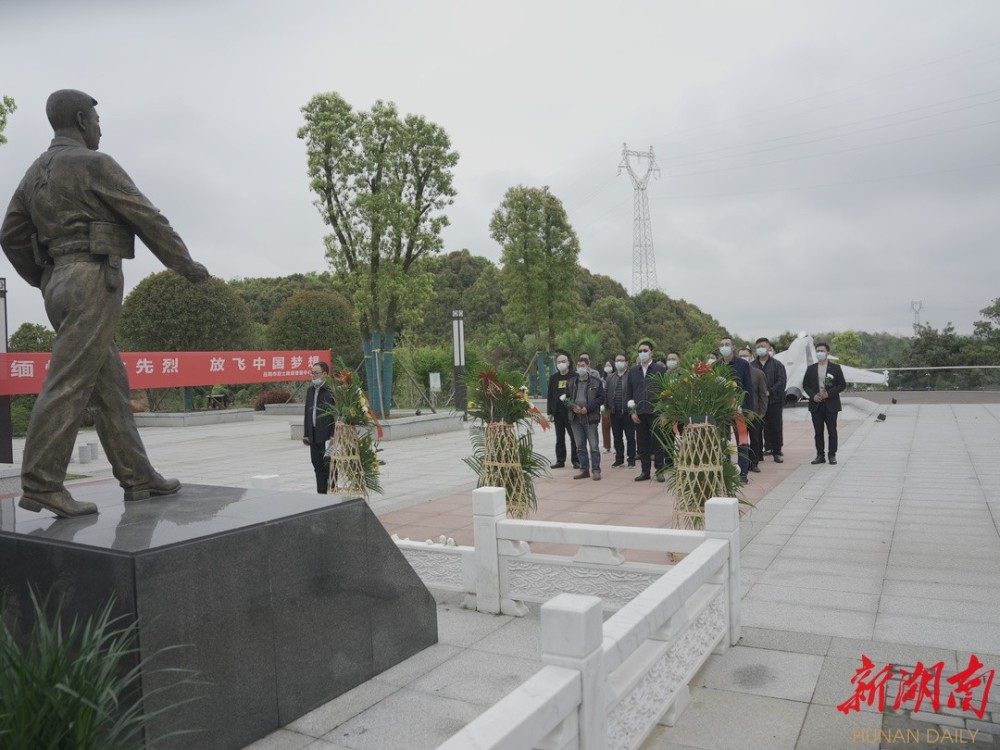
31, 337
382, 183
847, 348
540, 269
7, 107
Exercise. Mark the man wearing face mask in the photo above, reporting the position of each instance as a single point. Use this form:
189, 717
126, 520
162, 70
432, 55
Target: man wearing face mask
744, 381
823, 383
774, 373
756, 426
639, 389
673, 362
318, 425
586, 390
622, 427
558, 414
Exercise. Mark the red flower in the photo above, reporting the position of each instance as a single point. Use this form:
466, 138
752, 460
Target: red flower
702, 369
344, 376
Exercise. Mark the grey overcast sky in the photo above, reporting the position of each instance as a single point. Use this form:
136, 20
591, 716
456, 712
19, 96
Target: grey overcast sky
823, 164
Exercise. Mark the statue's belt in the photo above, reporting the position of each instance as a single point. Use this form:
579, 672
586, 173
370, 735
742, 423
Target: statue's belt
105, 243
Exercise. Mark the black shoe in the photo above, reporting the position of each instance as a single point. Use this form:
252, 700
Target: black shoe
642, 478
778, 459
660, 478
618, 463
820, 460
631, 464
576, 465
833, 458
744, 479
558, 465
755, 469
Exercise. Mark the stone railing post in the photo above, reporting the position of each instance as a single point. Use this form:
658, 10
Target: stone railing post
572, 637
489, 506
722, 521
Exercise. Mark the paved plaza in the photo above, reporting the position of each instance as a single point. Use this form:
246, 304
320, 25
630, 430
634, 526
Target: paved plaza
894, 553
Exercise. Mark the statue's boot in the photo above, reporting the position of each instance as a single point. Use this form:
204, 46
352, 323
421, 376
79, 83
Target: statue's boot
155, 485
60, 502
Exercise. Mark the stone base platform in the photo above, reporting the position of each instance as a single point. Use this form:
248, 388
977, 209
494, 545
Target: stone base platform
192, 418
277, 601
400, 428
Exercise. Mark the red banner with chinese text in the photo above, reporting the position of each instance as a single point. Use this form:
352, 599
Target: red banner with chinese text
25, 373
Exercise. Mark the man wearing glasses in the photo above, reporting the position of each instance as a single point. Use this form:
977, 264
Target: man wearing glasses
639, 391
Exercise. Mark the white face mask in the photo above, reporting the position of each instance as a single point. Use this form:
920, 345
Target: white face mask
761, 351
608, 369
644, 356
317, 381
563, 367
725, 351
671, 364
821, 356
620, 365
746, 358
582, 370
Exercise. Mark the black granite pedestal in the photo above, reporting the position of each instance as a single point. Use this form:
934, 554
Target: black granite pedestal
277, 601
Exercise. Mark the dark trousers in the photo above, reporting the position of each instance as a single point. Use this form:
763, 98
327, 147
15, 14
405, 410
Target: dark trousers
774, 426
756, 430
647, 446
743, 452
321, 465
563, 429
623, 432
821, 417
606, 430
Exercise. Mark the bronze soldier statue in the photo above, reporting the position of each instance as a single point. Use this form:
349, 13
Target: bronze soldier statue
71, 222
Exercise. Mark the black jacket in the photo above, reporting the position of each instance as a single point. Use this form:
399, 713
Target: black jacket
595, 397
637, 387
835, 383
557, 387
323, 429
774, 371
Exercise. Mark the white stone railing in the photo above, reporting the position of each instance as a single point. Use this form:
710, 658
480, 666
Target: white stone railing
604, 684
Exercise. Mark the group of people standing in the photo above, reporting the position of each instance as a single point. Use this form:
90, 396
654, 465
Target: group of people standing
621, 403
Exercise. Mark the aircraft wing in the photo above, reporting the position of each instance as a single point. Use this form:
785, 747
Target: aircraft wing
857, 375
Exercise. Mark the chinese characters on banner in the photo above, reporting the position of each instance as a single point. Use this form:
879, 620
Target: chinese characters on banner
967, 689
25, 373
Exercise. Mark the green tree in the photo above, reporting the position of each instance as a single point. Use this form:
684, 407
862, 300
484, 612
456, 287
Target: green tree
453, 276
7, 107
614, 318
31, 337
597, 286
673, 324
986, 334
265, 295
540, 270
315, 320
847, 348
382, 183
166, 313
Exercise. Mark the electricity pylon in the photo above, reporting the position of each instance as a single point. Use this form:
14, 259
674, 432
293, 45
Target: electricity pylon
643, 257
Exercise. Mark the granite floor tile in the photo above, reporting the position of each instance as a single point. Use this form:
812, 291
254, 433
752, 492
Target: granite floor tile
765, 672
753, 723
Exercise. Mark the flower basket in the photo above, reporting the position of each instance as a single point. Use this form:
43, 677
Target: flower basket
697, 474
502, 468
347, 473
503, 455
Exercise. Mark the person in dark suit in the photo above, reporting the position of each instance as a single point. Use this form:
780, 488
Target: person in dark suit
640, 390
319, 425
823, 383
744, 381
558, 414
